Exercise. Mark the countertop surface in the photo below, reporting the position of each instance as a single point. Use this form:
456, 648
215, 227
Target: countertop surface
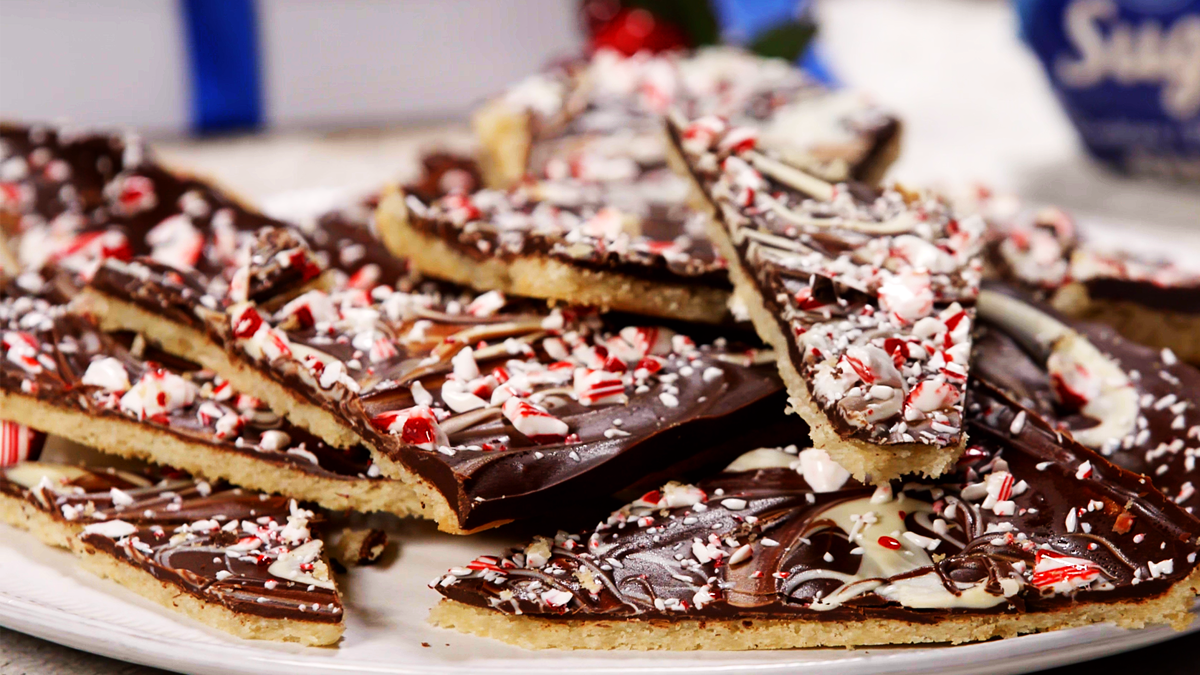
976, 109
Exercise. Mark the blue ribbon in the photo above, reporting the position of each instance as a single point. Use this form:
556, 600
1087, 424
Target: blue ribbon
743, 20
222, 37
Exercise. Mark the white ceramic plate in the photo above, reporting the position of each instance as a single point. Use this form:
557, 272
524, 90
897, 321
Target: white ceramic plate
43, 593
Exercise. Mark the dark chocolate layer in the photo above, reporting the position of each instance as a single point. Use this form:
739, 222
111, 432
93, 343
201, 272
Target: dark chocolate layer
62, 359
640, 228
81, 197
872, 289
617, 402
249, 552
1135, 405
517, 412
1027, 523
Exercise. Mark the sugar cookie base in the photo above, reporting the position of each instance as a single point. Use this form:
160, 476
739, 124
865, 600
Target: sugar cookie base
414, 496
1161, 329
129, 439
21, 514
532, 632
535, 275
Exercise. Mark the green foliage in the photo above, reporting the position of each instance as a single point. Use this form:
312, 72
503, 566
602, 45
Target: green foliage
786, 41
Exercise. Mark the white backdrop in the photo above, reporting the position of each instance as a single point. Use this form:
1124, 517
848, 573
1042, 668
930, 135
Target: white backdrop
124, 62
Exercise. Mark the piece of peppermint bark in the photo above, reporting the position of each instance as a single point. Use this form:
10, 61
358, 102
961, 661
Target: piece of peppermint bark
1151, 299
594, 214
866, 295
630, 245
1134, 404
487, 410
498, 410
73, 198
601, 115
238, 561
61, 374
1030, 532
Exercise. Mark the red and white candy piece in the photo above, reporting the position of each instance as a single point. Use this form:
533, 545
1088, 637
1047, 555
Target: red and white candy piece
1060, 573
599, 387
19, 443
605, 224
739, 139
107, 373
22, 349
487, 304
176, 242
647, 341
535, 423
157, 393
673, 495
701, 133
310, 308
416, 426
930, 395
907, 296
458, 398
85, 248
134, 194
1074, 384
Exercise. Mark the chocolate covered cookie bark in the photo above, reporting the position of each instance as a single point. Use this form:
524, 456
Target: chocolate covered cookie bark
238, 561
1134, 404
605, 112
61, 374
601, 219
1150, 300
630, 246
1030, 532
488, 410
866, 294
72, 198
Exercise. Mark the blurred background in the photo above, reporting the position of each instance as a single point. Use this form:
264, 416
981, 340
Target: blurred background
272, 96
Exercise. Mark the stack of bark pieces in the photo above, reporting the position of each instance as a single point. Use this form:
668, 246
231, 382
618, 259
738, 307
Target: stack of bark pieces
851, 418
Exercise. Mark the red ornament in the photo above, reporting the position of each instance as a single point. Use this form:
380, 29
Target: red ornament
635, 30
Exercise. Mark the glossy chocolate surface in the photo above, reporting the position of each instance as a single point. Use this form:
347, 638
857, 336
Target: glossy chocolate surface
640, 227
62, 359
873, 289
249, 552
1146, 422
1026, 523
508, 413
75, 198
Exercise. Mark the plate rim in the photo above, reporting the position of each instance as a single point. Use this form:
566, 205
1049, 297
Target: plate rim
1034, 652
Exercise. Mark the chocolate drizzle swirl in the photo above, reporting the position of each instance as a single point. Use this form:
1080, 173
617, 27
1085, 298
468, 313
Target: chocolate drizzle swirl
870, 290
62, 359
1153, 395
1026, 523
249, 552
